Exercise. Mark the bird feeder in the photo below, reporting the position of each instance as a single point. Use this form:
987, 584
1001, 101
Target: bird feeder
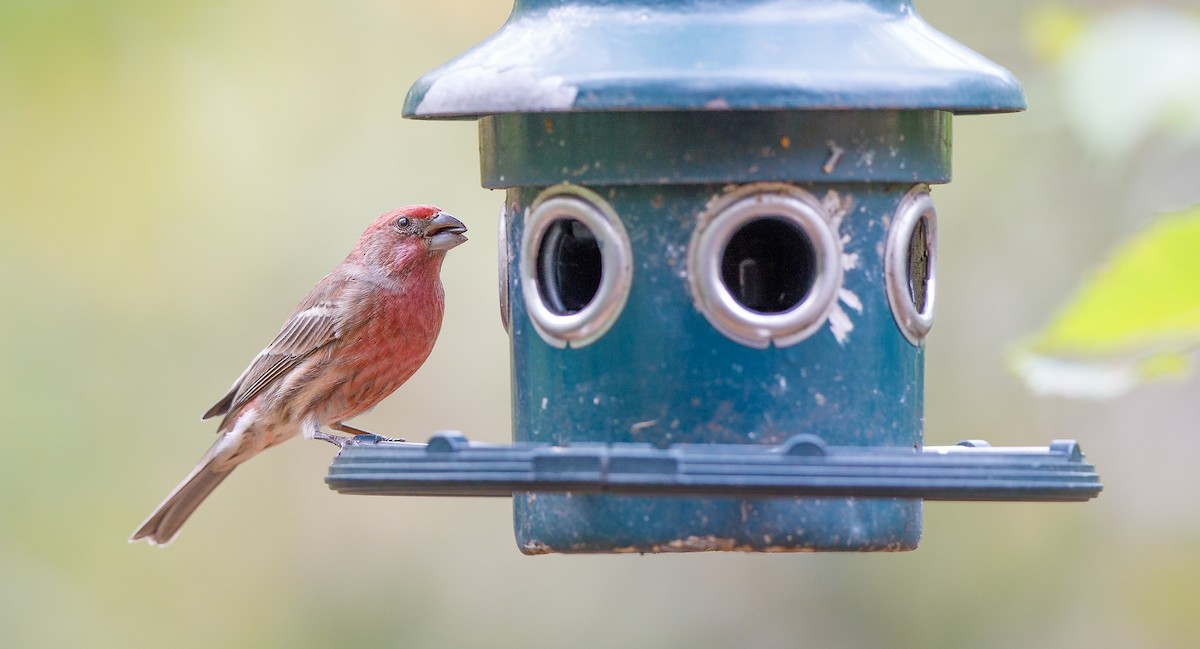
718, 269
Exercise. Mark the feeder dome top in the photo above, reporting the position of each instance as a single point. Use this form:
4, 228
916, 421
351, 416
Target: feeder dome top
629, 55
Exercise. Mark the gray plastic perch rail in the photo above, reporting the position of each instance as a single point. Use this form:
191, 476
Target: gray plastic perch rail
452, 465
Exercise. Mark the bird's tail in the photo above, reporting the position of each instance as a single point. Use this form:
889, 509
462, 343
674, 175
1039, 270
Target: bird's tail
164, 523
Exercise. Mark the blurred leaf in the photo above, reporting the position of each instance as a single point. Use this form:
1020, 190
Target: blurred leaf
1136, 319
1125, 74
1052, 30
1164, 365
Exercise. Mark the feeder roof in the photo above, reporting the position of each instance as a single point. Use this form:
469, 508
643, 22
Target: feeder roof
620, 55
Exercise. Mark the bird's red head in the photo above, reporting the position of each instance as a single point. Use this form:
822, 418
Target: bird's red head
407, 236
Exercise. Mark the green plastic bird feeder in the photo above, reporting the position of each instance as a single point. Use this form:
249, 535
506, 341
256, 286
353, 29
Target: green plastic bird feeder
719, 269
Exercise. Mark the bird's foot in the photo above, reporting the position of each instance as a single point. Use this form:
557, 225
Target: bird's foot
364, 437
353, 437
372, 438
339, 441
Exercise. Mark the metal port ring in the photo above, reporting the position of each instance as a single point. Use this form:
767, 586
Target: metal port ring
502, 257
916, 207
718, 226
583, 327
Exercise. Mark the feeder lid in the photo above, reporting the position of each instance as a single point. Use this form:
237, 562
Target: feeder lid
452, 465
608, 55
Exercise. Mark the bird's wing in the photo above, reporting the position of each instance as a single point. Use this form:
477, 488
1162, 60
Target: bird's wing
317, 321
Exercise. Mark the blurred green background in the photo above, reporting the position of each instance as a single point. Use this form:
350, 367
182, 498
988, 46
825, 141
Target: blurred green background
174, 177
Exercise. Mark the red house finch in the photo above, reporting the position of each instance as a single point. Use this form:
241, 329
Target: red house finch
356, 337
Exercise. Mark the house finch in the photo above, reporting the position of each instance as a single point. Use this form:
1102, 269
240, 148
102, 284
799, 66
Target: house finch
356, 337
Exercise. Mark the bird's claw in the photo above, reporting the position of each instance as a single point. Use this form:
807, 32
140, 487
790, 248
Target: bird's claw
372, 438
362, 439
360, 436
339, 441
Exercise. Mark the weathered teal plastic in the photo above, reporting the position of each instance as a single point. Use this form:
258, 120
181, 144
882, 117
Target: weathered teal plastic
693, 147
616, 55
664, 375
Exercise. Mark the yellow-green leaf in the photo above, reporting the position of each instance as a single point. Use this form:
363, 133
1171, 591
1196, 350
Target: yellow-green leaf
1051, 29
1136, 318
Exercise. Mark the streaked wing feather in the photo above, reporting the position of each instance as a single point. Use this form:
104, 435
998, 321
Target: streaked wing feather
221, 407
280, 364
316, 322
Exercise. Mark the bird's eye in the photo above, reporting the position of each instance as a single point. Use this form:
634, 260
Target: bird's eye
402, 223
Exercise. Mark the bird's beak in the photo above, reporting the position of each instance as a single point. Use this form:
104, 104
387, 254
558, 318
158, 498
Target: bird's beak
444, 232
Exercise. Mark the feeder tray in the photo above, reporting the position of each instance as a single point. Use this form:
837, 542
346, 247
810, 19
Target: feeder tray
452, 465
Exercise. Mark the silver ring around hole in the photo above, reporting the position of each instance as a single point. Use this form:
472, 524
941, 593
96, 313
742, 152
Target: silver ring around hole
616, 266
718, 226
915, 207
502, 255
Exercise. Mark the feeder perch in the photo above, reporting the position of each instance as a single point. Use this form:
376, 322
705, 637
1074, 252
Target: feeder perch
718, 269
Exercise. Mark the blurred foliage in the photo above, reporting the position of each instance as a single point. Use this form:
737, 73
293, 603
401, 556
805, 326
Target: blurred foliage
174, 176
1126, 76
1137, 318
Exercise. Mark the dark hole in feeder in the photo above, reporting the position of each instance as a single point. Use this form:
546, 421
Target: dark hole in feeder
569, 266
918, 264
769, 265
